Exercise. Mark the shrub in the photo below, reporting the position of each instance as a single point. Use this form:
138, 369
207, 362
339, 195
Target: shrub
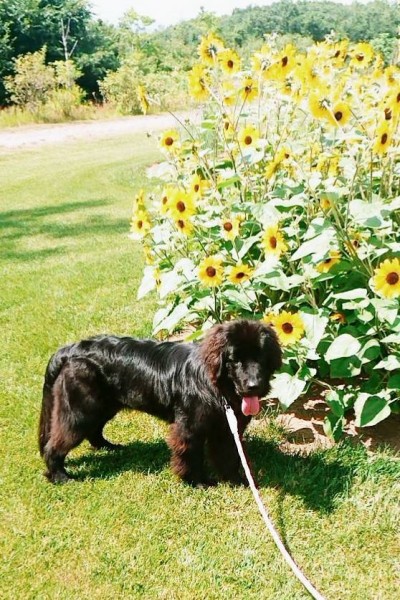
48, 92
282, 205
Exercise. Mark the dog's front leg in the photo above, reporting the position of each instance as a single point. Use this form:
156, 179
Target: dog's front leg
187, 460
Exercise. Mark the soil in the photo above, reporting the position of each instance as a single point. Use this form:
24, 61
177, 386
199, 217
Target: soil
303, 424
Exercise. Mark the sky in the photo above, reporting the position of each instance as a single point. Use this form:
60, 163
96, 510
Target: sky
167, 12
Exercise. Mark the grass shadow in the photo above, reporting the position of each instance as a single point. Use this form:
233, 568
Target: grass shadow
319, 479
142, 457
24, 223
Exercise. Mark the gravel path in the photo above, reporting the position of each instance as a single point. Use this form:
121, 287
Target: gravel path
28, 136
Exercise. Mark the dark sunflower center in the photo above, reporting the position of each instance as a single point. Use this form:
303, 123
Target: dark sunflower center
230, 64
240, 275
360, 57
392, 278
384, 138
285, 61
337, 54
228, 226
196, 188
287, 328
247, 89
327, 261
181, 224
165, 199
139, 224
181, 206
388, 114
273, 242
248, 140
398, 97
169, 141
338, 115
211, 272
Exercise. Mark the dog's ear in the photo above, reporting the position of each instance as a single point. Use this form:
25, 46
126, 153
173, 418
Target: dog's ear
271, 346
213, 351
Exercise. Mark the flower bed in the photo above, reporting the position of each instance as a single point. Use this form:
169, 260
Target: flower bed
283, 204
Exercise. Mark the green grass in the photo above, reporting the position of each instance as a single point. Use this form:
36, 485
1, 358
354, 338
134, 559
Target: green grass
127, 528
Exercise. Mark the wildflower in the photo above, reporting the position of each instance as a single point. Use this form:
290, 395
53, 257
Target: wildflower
143, 100
140, 224
383, 138
248, 136
338, 317
288, 326
240, 273
340, 113
182, 205
210, 271
209, 48
199, 83
273, 241
386, 278
166, 197
230, 228
249, 89
198, 185
184, 226
170, 140
361, 55
229, 61
326, 265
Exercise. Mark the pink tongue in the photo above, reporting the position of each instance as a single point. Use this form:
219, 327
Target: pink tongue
250, 405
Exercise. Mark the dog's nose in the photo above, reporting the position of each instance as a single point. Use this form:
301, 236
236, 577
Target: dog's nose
252, 386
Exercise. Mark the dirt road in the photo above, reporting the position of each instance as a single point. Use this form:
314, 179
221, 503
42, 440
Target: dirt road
29, 136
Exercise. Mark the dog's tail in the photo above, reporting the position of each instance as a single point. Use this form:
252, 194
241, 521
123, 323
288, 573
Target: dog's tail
53, 369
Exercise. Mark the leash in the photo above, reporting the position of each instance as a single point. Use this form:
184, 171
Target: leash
232, 421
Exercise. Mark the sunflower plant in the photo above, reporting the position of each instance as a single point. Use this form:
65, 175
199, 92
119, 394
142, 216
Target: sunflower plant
283, 204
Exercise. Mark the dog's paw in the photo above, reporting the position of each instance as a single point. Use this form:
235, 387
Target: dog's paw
58, 477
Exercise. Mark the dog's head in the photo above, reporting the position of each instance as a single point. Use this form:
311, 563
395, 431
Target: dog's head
241, 357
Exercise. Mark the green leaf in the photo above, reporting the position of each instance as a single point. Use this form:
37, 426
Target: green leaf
333, 426
394, 382
345, 367
370, 410
335, 403
286, 388
370, 351
390, 363
343, 346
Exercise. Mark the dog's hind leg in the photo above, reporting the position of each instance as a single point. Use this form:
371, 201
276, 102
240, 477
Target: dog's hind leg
187, 460
223, 453
97, 439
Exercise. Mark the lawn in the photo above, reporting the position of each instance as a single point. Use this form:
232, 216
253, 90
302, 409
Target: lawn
127, 528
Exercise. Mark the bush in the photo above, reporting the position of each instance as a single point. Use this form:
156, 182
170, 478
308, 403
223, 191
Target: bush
48, 92
132, 91
282, 205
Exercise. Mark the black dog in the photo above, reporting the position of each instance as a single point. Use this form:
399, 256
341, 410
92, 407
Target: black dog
87, 383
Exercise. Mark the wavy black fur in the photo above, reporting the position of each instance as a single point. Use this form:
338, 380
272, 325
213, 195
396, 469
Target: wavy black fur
88, 382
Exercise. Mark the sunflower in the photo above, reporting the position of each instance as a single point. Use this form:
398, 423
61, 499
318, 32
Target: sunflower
199, 83
285, 63
170, 140
229, 61
273, 241
288, 326
386, 279
166, 197
209, 48
143, 100
240, 273
340, 113
210, 271
198, 186
338, 317
140, 224
361, 55
326, 265
248, 136
249, 89
230, 228
184, 226
182, 205
319, 104
325, 204
228, 93
383, 138
281, 156
138, 201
